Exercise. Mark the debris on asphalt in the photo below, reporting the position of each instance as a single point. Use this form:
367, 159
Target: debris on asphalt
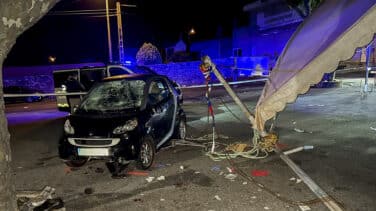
253, 197
297, 180
33, 200
299, 130
260, 173
216, 168
304, 208
217, 197
231, 176
163, 199
244, 183
138, 173
372, 128
150, 179
266, 208
197, 172
230, 170
89, 191
182, 167
161, 178
50, 204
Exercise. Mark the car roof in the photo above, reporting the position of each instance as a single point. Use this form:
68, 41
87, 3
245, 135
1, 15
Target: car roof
131, 76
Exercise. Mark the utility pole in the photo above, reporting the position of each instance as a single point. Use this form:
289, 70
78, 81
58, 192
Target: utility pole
108, 34
120, 33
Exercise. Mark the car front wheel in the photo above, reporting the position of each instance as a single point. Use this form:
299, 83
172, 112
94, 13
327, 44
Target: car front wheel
147, 153
181, 130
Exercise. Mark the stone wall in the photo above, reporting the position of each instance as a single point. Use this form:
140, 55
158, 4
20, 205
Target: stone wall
188, 73
185, 73
40, 83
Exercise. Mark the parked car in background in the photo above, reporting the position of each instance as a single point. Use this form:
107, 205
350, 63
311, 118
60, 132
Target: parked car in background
33, 95
123, 118
88, 76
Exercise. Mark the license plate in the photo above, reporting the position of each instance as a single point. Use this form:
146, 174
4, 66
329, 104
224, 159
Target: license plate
93, 151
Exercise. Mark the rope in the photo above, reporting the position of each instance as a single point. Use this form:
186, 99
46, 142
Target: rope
259, 150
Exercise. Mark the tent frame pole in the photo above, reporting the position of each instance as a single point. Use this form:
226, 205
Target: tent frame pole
368, 68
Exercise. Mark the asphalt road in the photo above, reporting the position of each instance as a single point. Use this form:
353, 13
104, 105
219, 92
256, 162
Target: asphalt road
338, 122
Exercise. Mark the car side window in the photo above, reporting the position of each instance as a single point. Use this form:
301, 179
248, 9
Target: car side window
158, 91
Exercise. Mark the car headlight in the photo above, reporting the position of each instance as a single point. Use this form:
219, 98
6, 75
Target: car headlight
128, 126
68, 127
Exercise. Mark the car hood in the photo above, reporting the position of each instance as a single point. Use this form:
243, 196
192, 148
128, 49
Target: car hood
99, 124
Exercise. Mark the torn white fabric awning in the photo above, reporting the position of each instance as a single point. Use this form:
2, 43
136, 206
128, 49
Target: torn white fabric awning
331, 34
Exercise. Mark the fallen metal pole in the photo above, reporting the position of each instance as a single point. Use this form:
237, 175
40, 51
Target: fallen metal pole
231, 92
320, 193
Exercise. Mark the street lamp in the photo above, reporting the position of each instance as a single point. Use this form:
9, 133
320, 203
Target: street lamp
52, 59
108, 34
192, 32
120, 31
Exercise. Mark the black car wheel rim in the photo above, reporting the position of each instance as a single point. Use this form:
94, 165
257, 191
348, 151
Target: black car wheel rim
182, 130
146, 154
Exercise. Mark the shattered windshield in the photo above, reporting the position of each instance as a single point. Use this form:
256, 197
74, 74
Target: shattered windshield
114, 96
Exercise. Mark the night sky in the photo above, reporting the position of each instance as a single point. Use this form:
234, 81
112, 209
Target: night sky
83, 38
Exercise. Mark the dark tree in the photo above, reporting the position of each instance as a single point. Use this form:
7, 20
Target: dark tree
16, 16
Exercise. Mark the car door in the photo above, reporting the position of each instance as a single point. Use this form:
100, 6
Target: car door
162, 107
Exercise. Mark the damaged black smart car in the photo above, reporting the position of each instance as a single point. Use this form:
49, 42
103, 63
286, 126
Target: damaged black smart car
123, 118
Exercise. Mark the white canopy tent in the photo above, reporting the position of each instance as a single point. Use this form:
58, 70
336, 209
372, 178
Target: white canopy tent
331, 34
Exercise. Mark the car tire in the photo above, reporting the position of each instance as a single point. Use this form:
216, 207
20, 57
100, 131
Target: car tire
146, 153
181, 130
76, 162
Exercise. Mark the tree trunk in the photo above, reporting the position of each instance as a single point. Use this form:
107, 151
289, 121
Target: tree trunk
7, 197
16, 16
